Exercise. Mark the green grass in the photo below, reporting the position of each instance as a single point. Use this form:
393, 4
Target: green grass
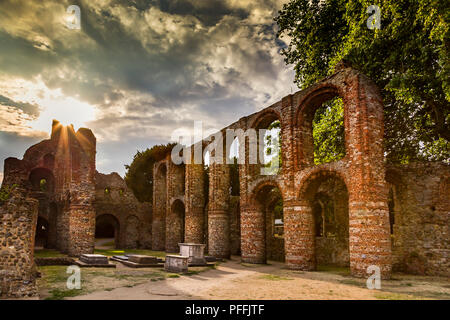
353, 282
108, 244
48, 253
52, 283
334, 269
58, 294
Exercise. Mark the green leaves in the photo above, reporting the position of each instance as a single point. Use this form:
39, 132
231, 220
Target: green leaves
5, 192
408, 58
328, 132
139, 175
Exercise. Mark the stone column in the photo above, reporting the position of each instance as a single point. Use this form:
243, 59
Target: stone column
218, 215
195, 203
299, 235
253, 235
368, 209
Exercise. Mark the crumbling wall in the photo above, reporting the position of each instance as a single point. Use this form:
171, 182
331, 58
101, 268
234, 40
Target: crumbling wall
421, 217
133, 219
18, 217
55, 179
363, 230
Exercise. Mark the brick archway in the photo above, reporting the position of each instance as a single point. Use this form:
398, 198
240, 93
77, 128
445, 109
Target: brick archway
304, 116
300, 224
176, 219
108, 226
362, 169
253, 223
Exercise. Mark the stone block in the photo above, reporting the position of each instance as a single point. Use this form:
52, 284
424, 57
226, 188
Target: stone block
177, 264
194, 252
94, 259
142, 259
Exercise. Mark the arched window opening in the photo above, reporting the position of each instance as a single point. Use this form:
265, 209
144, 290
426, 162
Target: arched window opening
324, 216
270, 142
328, 131
278, 221
206, 159
270, 203
43, 186
41, 237
106, 232
42, 180
177, 227
234, 167
327, 196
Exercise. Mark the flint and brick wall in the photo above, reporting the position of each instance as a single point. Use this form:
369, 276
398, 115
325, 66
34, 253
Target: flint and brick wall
18, 217
131, 219
420, 239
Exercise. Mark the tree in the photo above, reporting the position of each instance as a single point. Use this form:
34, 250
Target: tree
328, 132
139, 175
408, 58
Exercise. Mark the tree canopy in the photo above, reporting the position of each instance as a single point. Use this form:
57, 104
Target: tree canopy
139, 174
408, 58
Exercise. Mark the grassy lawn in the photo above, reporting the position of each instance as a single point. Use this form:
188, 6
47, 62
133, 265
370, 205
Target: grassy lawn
48, 253
52, 284
334, 269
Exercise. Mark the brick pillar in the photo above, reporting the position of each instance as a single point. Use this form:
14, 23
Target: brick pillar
253, 237
18, 219
299, 235
218, 215
368, 210
195, 203
81, 230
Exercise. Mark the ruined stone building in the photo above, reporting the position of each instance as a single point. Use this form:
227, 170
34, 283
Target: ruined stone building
58, 200
119, 215
356, 211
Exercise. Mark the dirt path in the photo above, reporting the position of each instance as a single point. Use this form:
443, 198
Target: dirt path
233, 280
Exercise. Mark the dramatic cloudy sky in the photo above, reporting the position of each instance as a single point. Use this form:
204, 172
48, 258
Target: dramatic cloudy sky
136, 71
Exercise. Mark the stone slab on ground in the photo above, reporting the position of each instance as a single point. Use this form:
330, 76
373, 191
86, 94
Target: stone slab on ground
125, 261
117, 258
142, 259
94, 259
87, 265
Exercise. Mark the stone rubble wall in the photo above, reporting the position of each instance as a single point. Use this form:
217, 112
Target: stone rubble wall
18, 217
421, 243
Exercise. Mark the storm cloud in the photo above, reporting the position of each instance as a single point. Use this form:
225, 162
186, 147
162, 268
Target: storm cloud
145, 67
